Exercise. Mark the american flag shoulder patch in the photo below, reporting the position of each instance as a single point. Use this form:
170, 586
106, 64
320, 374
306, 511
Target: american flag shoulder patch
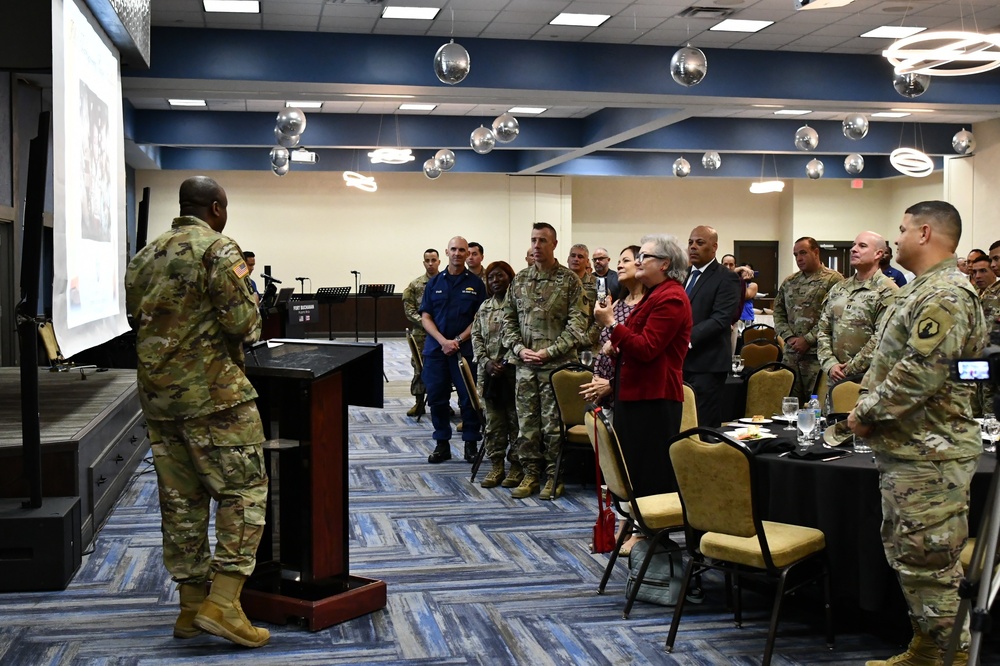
241, 269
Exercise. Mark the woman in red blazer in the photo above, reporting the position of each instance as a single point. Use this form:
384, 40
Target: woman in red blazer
649, 377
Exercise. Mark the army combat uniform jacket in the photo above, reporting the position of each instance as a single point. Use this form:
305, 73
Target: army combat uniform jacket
851, 315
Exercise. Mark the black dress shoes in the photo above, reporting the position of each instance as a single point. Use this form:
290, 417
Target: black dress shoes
441, 453
471, 449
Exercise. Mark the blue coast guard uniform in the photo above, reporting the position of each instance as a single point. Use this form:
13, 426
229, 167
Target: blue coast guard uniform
452, 302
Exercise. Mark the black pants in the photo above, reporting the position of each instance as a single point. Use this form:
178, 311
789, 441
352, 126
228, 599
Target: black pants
643, 428
708, 388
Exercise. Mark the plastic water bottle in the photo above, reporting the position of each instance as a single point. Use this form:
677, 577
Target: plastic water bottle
813, 404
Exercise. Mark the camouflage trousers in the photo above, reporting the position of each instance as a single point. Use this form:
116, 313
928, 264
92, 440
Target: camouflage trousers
218, 457
807, 369
417, 383
501, 421
537, 420
925, 524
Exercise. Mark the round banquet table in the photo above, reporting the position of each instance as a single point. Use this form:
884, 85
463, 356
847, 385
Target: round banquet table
841, 498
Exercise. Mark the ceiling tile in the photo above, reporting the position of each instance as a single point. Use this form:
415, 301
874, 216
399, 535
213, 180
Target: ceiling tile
290, 9
347, 24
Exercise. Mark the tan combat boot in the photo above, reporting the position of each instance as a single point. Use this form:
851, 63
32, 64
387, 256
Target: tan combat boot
552, 490
513, 479
496, 475
418, 407
529, 486
192, 596
222, 615
922, 651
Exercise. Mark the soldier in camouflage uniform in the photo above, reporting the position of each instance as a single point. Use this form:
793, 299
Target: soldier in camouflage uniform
579, 259
497, 379
797, 308
545, 318
412, 296
475, 261
988, 286
189, 292
853, 310
918, 421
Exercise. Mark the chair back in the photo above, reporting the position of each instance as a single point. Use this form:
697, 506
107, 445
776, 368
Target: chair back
566, 381
605, 442
715, 480
759, 332
759, 352
822, 391
418, 356
689, 413
766, 386
48, 335
470, 386
844, 396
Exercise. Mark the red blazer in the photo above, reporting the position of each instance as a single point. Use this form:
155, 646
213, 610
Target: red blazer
652, 344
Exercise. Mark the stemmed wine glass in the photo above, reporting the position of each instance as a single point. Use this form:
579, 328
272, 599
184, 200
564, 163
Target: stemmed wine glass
991, 428
737, 365
587, 357
789, 407
806, 422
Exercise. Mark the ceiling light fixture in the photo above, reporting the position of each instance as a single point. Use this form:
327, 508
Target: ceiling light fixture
363, 183
186, 102
379, 96
792, 112
527, 110
740, 25
304, 105
914, 110
911, 162
391, 156
948, 47
232, 6
892, 32
766, 106
890, 114
583, 20
417, 107
410, 13
767, 186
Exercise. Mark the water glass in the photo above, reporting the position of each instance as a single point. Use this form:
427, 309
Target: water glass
861, 446
789, 408
806, 423
737, 365
991, 430
587, 357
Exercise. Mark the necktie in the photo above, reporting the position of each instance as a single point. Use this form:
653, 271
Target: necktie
695, 273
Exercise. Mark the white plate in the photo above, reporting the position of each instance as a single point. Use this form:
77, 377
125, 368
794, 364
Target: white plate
763, 434
750, 420
784, 419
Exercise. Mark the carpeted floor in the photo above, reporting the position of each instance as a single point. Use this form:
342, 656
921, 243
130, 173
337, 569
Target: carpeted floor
474, 577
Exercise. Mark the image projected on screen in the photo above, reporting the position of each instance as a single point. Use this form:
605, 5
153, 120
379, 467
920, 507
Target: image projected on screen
89, 254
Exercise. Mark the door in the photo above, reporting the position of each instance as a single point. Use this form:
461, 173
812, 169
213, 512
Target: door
763, 255
836, 255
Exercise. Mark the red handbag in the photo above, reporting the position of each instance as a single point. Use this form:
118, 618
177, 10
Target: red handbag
604, 528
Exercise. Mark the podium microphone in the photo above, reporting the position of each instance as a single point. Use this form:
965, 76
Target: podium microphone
268, 277
356, 272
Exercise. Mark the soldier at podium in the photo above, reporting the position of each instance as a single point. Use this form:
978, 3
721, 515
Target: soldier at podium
448, 308
188, 291
412, 295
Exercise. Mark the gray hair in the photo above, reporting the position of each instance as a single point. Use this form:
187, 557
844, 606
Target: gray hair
667, 246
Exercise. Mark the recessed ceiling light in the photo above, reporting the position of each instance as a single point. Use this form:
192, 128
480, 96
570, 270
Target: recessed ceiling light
186, 102
379, 96
792, 112
892, 32
304, 105
914, 110
527, 110
766, 106
740, 25
413, 13
417, 107
232, 6
890, 114
586, 20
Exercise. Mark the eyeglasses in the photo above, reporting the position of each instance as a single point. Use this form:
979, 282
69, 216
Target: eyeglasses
643, 256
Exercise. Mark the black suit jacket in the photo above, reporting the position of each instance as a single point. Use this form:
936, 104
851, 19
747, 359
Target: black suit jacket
714, 298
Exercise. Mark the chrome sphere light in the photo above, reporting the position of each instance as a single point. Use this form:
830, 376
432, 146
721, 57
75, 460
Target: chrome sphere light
431, 169
806, 138
291, 121
506, 128
963, 142
911, 85
279, 156
445, 159
711, 160
855, 126
482, 140
286, 140
452, 63
854, 164
688, 66
280, 170
815, 169
682, 168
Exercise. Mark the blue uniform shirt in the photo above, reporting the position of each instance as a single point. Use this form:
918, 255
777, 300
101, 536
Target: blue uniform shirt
896, 275
452, 302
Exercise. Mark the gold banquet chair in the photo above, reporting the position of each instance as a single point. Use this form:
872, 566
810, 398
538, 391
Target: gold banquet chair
417, 355
735, 540
844, 396
566, 381
766, 387
759, 332
654, 516
689, 413
759, 352
477, 404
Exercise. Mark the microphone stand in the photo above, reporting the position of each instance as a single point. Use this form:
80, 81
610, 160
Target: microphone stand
302, 283
357, 314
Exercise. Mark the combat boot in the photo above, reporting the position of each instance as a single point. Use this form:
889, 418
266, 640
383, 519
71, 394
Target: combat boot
471, 450
529, 486
552, 490
440, 453
418, 407
513, 479
221, 614
496, 475
922, 651
192, 596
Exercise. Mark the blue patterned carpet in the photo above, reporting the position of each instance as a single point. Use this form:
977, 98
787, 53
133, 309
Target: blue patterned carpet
474, 577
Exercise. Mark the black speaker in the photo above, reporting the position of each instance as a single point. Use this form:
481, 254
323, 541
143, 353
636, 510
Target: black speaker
40, 549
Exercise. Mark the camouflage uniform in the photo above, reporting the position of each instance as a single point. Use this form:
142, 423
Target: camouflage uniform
501, 415
593, 333
925, 439
412, 295
543, 311
990, 299
189, 293
797, 308
851, 315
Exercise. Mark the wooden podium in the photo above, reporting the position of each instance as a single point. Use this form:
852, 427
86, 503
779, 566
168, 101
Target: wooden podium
302, 569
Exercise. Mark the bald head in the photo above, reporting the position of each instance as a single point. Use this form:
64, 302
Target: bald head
868, 249
457, 253
202, 197
703, 244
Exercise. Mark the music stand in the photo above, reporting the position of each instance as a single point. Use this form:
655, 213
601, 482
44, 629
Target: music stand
331, 295
376, 291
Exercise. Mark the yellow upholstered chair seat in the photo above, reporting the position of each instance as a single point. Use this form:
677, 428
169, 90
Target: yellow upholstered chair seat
577, 435
659, 511
787, 543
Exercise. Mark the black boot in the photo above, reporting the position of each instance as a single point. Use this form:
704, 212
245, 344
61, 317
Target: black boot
471, 449
441, 453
